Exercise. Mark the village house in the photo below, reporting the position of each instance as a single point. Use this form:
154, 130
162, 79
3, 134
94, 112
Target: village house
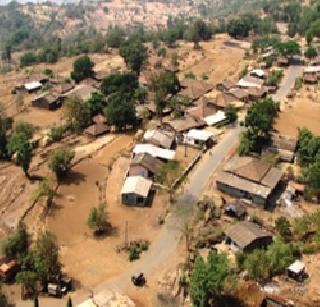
202, 139
194, 89
283, 145
63, 88
240, 94
247, 236
204, 107
249, 178
257, 93
182, 125
258, 73
136, 191
82, 91
154, 151
158, 137
98, 128
48, 101
225, 86
218, 118
144, 165
248, 82
224, 99
311, 74
282, 61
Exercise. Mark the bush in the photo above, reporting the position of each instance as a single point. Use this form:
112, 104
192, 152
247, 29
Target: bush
56, 133
298, 83
60, 160
133, 253
190, 75
144, 245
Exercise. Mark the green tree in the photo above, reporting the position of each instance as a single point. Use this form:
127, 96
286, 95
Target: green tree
98, 219
231, 113
258, 266
77, 113
16, 244
18, 144
311, 53
125, 83
45, 256
115, 37
134, 54
56, 133
120, 110
97, 103
162, 85
60, 161
197, 31
288, 48
283, 227
29, 280
24, 128
207, 280
82, 69
170, 37
309, 37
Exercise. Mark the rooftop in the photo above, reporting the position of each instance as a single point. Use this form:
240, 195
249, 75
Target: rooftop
154, 151
185, 123
162, 138
215, 118
136, 185
194, 89
244, 233
202, 135
149, 162
83, 91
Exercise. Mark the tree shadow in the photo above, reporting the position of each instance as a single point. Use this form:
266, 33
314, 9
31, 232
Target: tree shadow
72, 177
109, 231
229, 301
34, 178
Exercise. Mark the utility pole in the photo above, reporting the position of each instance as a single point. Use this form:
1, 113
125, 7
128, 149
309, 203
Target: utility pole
126, 243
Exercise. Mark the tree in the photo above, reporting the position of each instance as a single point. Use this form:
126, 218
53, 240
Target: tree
77, 113
97, 103
82, 69
16, 244
197, 31
309, 37
36, 301
60, 161
69, 302
170, 37
283, 227
115, 37
257, 264
29, 280
162, 85
6, 54
134, 54
120, 110
311, 53
45, 256
288, 48
98, 219
18, 144
231, 113
207, 280
125, 83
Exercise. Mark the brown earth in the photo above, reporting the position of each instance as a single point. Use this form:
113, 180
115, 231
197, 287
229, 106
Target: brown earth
303, 111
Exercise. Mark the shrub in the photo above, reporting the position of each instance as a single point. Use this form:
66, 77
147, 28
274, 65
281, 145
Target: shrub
133, 253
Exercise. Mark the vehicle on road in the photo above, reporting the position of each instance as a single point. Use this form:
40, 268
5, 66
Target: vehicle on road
138, 279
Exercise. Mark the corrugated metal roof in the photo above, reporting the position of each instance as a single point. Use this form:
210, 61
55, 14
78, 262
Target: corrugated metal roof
136, 185
244, 233
202, 135
154, 151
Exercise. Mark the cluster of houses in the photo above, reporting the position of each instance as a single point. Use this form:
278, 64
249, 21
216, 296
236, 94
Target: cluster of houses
311, 73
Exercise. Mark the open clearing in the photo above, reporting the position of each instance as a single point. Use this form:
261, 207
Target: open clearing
83, 256
303, 112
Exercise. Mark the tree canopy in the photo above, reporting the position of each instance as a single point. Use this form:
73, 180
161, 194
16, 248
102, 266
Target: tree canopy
207, 280
82, 69
60, 160
120, 110
125, 83
98, 218
16, 244
135, 54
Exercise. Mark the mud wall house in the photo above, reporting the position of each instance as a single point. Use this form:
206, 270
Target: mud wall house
136, 191
258, 73
247, 236
257, 93
144, 165
83, 91
249, 178
97, 129
225, 86
250, 82
240, 94
47, 101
